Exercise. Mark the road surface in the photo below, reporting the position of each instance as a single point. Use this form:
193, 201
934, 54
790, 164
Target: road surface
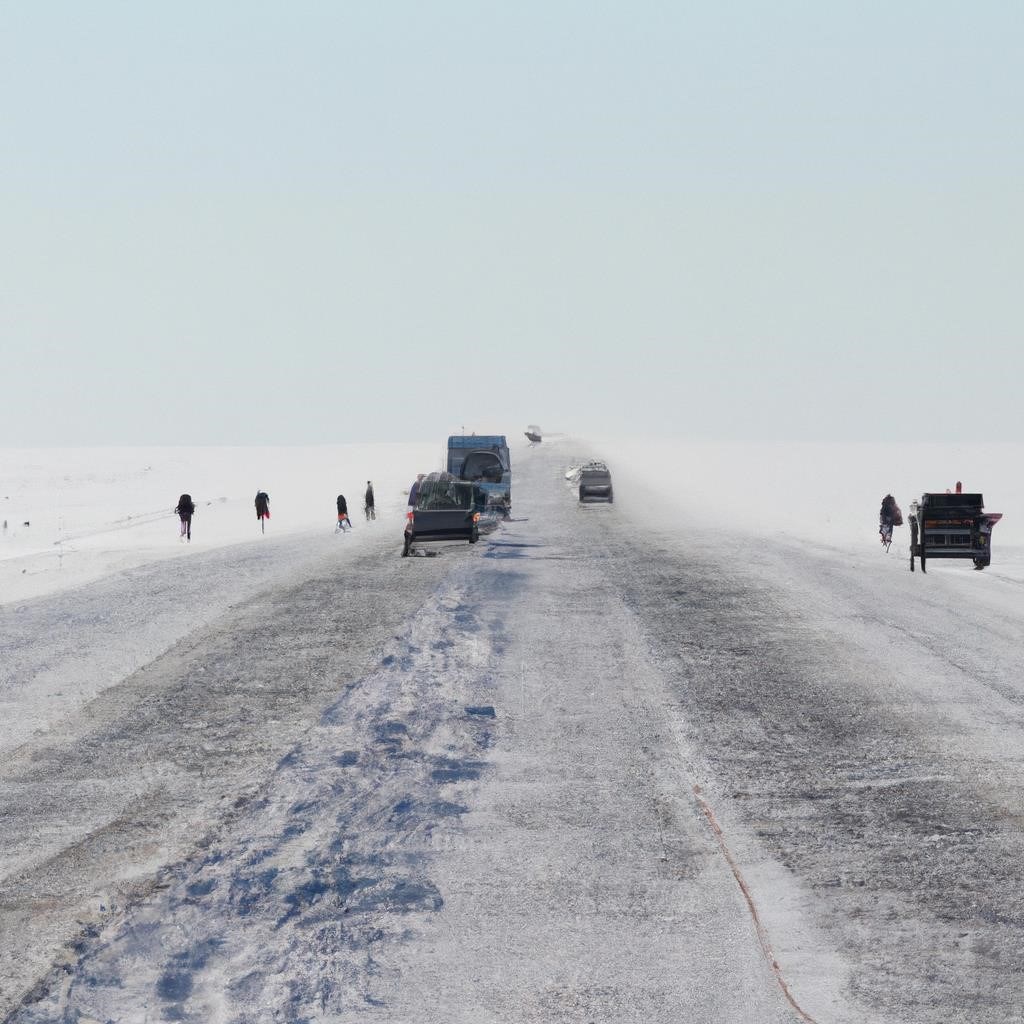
592, 769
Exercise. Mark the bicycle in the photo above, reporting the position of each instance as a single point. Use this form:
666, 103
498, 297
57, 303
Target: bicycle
885, 530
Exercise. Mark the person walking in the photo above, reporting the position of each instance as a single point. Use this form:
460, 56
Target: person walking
186, 509
262, 509
343, 519
368, 506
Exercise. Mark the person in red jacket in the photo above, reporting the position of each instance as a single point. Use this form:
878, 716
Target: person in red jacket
343, 519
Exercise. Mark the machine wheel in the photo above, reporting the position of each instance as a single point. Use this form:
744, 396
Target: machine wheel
408, 545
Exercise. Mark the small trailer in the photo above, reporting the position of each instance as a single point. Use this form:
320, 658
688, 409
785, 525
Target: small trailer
951, 526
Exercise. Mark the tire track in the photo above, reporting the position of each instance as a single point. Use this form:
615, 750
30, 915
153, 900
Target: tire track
135, 779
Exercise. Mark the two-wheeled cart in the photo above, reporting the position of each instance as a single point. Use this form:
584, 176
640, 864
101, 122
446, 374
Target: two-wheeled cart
951, 526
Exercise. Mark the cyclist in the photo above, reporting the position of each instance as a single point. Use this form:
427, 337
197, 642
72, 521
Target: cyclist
889, 516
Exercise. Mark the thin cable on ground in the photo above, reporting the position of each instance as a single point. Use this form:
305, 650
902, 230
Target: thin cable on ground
762, 932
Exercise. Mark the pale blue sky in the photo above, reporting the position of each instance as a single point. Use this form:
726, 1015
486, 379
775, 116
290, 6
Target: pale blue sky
327, 222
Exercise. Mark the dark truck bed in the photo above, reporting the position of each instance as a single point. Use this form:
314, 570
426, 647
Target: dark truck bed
446, 510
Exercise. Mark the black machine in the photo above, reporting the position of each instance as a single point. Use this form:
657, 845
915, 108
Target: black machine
951, 526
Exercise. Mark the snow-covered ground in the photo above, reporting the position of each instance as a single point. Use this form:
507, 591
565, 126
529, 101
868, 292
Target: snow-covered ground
93, 511
76, 514
498, 804
825, 494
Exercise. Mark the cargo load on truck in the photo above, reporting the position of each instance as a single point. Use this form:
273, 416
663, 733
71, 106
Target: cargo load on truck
483, 460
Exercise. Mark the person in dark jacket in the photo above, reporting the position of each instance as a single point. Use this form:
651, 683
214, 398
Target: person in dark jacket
414, 491
368, 506
889, 515
262, 509
343, 519
186, 509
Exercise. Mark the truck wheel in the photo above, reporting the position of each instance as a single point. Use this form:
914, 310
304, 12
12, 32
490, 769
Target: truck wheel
980, 563
581, 494
611, 497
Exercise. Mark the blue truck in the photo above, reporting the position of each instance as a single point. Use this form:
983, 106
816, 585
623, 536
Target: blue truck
483, 459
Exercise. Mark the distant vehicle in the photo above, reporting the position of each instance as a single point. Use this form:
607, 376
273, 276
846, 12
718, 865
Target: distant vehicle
533, 434
483, 459
951, 526
595, 482
446, 510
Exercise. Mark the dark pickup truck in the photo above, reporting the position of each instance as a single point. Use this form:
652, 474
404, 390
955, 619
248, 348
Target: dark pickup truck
596, 483
446, 510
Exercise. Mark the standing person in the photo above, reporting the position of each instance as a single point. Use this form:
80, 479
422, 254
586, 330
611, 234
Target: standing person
343, 518
186, 509
368, 506
262, 509
414, 491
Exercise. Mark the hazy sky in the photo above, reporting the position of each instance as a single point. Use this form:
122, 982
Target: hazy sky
323, 222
